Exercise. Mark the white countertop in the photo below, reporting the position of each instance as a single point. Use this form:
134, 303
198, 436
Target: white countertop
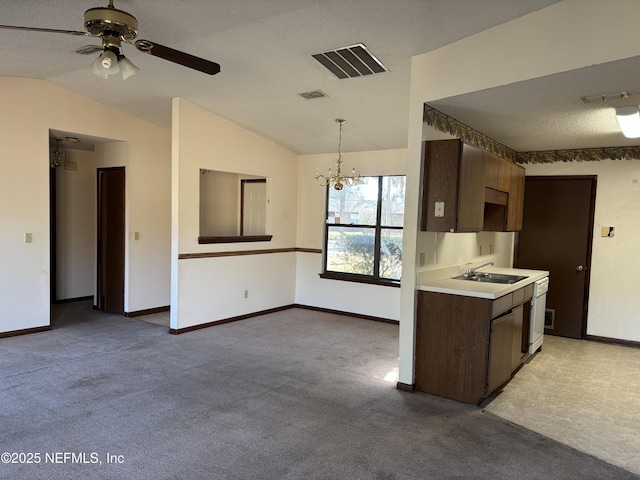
482, 289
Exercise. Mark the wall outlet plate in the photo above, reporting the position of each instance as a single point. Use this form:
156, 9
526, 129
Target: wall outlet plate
439, 209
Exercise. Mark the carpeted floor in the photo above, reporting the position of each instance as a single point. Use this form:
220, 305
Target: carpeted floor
291, 395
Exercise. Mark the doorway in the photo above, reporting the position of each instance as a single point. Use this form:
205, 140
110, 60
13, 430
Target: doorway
557, 234
72, 221
253, 208
111, 239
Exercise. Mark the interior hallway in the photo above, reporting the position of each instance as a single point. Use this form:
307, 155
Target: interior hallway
293, 394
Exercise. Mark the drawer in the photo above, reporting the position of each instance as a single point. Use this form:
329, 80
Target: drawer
518, 296
502, 304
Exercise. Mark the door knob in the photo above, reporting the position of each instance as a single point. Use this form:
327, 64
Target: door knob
579, 268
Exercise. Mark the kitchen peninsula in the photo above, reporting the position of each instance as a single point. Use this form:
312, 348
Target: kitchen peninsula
471, 336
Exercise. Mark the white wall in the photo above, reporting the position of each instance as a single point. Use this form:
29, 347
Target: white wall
568, 35
29, 109
614, 302
311, 290
76, 226
210, 289
448, 249
219, 203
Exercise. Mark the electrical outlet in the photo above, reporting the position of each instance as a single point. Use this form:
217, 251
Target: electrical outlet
439, 209
246, 294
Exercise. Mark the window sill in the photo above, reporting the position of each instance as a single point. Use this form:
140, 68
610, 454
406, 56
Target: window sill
360, 279
231, 239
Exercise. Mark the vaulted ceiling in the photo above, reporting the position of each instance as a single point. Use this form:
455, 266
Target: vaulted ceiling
265, 48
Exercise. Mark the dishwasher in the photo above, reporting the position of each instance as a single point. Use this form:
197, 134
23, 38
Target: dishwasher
538, 306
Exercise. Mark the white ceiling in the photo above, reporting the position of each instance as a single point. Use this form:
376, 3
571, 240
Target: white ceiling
548, 113
264, 48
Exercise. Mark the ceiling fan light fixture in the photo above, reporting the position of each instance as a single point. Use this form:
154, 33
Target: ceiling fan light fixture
629, 120
106, 64
109, 62
96, 68
127, 68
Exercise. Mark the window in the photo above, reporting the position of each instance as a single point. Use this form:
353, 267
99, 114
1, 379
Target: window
363, 240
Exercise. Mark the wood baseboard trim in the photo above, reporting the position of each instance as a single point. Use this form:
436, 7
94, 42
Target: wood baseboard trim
71, 300
349, 314
25, 331
178, 331
613, 341
406, 387
148, 311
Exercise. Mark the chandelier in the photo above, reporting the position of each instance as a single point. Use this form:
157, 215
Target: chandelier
337, 180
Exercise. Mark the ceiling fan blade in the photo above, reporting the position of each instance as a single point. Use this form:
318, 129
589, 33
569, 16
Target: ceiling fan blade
45, 30
177, 56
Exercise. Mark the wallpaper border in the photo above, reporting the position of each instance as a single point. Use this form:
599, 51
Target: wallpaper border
444, 123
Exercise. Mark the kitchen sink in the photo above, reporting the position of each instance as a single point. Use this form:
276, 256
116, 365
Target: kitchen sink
491, 277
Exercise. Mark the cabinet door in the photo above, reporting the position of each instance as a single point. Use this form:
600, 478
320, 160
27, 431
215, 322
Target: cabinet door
516, 348
500, 351
471, 189
505, 176
492, 166
516, 199
441, 168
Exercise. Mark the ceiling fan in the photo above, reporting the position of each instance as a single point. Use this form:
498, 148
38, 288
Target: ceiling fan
115, 26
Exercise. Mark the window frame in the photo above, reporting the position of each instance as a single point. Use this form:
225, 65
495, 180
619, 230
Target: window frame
378, 227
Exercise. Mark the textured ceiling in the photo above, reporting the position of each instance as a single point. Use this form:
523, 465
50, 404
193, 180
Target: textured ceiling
548, 113
264, 48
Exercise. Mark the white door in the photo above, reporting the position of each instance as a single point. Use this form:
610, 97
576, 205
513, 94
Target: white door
254, 209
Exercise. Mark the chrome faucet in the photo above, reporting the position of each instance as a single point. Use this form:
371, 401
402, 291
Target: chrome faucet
472, 271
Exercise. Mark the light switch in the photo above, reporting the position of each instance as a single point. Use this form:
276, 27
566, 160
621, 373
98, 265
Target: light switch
439, 209
136, 235
28, 238
608, 231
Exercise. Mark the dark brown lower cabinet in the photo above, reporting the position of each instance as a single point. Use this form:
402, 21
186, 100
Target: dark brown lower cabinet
505, 348
466, 347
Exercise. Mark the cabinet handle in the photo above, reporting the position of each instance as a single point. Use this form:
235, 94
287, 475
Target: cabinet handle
579, 268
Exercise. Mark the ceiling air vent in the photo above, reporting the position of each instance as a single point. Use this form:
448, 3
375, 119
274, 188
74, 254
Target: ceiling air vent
313, 94
350, 62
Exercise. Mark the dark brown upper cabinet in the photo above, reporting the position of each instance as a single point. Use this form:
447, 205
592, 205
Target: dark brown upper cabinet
467, 189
